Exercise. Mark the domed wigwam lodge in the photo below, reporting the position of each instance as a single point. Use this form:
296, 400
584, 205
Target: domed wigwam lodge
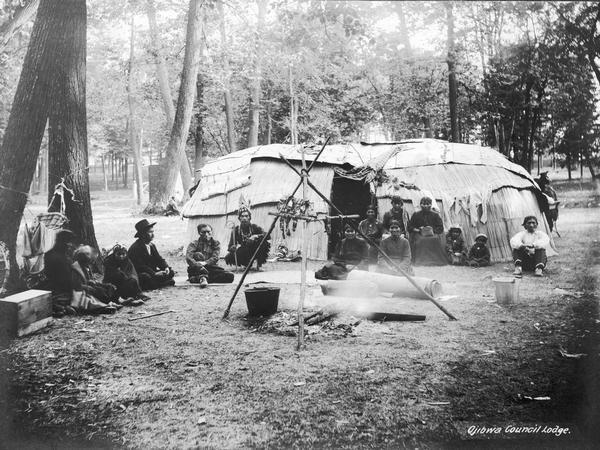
472, 186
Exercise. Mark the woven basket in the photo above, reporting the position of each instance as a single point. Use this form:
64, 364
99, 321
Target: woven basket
52, 220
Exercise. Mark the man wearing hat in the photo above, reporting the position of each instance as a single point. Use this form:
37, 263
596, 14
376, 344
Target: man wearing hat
152, 269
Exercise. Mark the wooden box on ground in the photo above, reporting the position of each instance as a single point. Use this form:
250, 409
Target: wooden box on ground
24, 313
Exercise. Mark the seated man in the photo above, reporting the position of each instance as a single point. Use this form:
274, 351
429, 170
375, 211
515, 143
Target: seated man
57, 271
119, 271
171, 208
373, 229
529, 248
456, 248
350, 251
426, 234
153, 271
479, 254
397, 248
245, 239
89, 295
202, 257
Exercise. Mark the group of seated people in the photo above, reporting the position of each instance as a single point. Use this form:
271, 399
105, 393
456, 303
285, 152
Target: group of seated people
420, 240
128, 273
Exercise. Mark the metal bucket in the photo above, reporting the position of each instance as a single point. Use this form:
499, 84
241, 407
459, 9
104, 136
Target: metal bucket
262, 301
507, 290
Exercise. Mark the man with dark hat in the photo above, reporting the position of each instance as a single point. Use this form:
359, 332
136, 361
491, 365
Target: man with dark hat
152, 269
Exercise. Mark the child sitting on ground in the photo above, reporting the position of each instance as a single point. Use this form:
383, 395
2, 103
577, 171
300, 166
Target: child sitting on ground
479, 254
455, 246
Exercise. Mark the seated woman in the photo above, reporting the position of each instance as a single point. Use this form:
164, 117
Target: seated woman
479, 254
89, 295
456, 248
245, 239
350, 251
57, 272
529, 248
397, 248
202, 257
373, 229
426, 235
119, 271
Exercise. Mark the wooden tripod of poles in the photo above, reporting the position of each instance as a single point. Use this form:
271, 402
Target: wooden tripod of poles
269, 231
305, 182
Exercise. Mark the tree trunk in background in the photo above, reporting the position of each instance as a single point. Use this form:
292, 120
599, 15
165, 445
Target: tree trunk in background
165, 90
183, 114
452, 89
226, 83
199, 158
22, 15
403, 29
254, 112
104, 175
134, 140
67, 130
27, 121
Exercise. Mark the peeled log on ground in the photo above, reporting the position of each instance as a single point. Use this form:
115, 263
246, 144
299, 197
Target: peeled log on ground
353, 289
398, 285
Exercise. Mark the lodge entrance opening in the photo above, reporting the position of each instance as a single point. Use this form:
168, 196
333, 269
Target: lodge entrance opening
351, 197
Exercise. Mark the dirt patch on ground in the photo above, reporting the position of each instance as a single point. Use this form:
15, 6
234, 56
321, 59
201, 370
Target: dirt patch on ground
188, 379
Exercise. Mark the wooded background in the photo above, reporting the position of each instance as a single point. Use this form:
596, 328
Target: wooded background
173, 82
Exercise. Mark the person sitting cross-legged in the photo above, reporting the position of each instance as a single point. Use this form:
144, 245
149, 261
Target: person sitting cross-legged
153, 271
529, 248
119, 271
202, 257
397, 248
245, 239
479, 253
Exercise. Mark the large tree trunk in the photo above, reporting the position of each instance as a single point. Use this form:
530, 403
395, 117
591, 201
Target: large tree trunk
165, 90
254, 114
134, 140
226, 82
21, 16
27, 121
67, 132
452, 89
183, 114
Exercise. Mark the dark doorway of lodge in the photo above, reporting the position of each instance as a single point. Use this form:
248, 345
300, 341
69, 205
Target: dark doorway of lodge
351, 197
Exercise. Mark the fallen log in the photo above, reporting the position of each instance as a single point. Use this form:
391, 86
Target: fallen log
393, 317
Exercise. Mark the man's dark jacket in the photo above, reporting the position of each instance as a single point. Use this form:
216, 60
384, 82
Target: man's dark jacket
144, 262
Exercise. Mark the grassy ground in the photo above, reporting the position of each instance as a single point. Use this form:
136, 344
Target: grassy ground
189, 379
